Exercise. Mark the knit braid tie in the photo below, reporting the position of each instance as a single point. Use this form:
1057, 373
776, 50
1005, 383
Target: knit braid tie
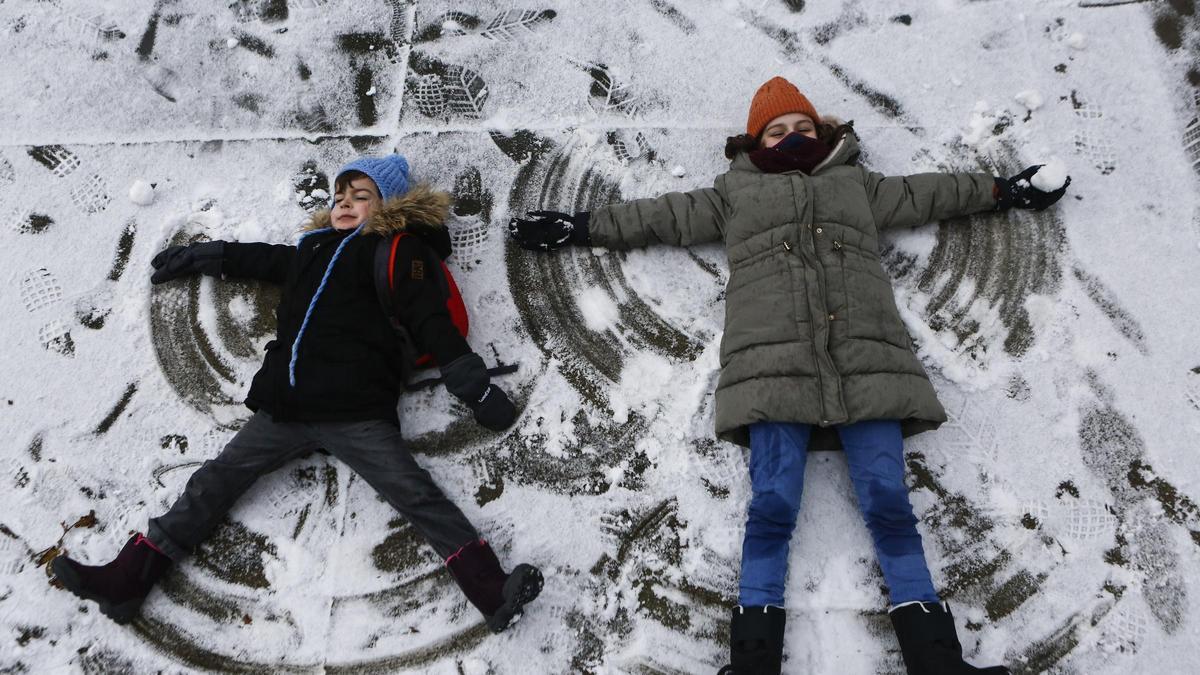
320, 289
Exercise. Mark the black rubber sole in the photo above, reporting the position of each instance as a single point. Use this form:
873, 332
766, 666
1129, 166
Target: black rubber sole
120, 612
522, 586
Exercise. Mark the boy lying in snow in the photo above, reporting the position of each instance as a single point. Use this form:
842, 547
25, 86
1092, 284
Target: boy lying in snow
330, 380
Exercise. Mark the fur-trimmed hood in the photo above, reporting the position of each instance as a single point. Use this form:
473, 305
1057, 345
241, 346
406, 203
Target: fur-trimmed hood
420, 207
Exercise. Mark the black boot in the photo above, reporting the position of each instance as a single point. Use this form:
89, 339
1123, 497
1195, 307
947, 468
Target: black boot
755, 641
119, 587
498, 596
928, 641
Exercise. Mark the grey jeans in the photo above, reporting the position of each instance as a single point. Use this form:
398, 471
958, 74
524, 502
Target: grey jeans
373, 449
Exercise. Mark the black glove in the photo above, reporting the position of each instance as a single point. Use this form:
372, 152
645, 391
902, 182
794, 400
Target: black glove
493, 409
548, 230
177, 261
466, 377
1019, 192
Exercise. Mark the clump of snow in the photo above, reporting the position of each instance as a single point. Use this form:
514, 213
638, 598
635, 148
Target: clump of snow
1030, 98
285, 192
979, 128
598, 309
241, 310
678, 171
1051, 176
207, 220
1077, 41
231, 43
141, 193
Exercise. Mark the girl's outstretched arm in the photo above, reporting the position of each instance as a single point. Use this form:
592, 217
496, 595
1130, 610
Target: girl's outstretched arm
908, 201
676, 218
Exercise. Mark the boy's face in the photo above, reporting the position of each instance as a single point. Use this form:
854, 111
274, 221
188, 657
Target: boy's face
353, 203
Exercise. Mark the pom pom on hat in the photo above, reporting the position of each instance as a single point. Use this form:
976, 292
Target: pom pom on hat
777, 97
390, 173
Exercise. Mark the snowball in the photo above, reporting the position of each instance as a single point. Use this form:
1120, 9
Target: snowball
231, 43
678, 171
141, 193
1030, 98
1051, 176
371, 91
1077, 41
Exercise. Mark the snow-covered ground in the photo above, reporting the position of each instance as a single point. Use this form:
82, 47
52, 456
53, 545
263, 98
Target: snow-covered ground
1059, 505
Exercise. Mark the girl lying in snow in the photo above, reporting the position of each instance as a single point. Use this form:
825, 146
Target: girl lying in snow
331, 380
814, 355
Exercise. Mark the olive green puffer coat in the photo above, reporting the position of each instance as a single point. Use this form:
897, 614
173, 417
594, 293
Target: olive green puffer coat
812, 333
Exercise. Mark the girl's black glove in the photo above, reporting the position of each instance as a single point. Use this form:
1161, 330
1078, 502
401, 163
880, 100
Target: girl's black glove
548, 230
177, 261
1019, 192
493, 409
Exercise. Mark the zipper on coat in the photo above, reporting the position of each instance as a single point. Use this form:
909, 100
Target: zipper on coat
841, 254
786, 245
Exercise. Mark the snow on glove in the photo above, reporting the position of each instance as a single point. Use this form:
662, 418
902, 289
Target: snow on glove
178, 261
493, 409
1020, 193
548, 230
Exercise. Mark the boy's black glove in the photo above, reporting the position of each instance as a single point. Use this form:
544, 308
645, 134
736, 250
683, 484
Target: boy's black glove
177, 261
548, 230
493, 409
467, 378
1019, 192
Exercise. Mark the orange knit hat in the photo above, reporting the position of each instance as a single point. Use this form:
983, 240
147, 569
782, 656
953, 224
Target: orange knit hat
777, 97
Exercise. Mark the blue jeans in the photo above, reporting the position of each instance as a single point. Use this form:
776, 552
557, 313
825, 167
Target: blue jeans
875, 453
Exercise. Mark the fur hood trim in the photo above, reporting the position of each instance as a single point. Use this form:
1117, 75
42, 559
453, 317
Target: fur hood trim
422, 205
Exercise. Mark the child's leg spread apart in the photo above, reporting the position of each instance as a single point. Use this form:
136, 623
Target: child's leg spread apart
258, 448
875, 453
376, 451
778, 455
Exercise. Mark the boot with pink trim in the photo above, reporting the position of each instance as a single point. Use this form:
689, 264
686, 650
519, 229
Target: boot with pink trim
498, 596
120, 586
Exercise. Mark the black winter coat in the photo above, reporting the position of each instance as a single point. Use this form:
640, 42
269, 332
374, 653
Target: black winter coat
349, 364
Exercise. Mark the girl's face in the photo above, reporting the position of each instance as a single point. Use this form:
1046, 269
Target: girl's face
785, 124
353, 202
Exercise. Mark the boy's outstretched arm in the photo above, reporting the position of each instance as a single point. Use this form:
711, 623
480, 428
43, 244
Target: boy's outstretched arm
268, 262
421, 307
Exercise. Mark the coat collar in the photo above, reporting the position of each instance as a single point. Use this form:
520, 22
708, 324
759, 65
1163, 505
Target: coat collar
844, 153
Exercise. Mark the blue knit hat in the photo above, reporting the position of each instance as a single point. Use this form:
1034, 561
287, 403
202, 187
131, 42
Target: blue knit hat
389, 173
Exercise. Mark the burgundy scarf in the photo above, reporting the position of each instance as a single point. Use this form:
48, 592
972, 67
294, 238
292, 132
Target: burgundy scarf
795, 151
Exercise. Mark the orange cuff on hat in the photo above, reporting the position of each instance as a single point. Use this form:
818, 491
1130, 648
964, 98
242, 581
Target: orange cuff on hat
777, 97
